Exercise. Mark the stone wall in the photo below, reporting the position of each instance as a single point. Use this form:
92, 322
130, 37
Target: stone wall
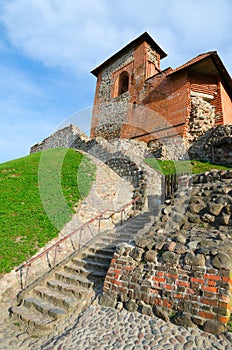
112, 114
201, 119
214, 145
105, 89
123, 156
181, 269
172, 149
64, 137
153, 56
111, 110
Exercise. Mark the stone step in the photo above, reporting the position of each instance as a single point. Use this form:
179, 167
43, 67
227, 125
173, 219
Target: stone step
117, 240
74, 279
96, 257
86, 272
102, 245
92, 265
135, 225
140, 219
33, 320
55, 297
107, 251
130, 231
69, 289
125, 235
44, 307
139, 225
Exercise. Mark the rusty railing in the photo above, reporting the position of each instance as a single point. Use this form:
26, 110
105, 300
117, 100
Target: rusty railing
55, 247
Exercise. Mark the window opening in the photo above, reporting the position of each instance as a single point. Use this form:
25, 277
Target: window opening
123, 85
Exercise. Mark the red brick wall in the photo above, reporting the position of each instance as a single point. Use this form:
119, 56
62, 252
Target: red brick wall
205, 293
207, 84
226, 106
168, 96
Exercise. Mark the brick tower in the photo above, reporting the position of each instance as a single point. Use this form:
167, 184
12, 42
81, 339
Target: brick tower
136, 99
120, 82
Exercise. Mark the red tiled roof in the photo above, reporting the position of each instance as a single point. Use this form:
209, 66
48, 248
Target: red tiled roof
193, 61
221, 69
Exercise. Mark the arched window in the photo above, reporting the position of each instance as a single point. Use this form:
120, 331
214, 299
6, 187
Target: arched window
123, 85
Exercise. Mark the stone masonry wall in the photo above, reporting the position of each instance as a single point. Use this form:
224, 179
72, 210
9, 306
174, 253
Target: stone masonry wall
182, 268
61, 138
202, 118
111, 116
214, 145
110, 113
124, 157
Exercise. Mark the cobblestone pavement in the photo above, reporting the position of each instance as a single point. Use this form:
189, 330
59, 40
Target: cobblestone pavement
100, 328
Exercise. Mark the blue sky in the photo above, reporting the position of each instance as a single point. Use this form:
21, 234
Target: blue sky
49, 47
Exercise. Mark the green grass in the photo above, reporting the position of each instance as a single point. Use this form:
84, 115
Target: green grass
38, 196
192, 166
229, 324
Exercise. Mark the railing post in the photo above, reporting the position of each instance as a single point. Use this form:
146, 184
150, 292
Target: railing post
99, 225
80, 237
55, 255
90, 231
27, 273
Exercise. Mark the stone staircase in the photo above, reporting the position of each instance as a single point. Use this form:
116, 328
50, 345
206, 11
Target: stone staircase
72, 286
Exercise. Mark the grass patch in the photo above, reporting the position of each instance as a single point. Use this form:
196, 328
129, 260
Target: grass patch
192, 166
38, 195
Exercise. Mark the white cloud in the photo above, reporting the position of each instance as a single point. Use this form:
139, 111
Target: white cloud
80, 34
200, 23
57, 33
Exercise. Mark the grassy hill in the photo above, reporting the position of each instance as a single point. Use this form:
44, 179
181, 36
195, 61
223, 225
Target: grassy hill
37, 197
191, 166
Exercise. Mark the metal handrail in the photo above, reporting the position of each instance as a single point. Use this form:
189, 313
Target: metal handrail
56, 245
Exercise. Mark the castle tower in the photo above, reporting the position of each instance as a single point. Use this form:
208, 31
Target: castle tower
120, 85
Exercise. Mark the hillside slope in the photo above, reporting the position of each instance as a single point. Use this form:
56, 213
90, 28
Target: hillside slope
38, 194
